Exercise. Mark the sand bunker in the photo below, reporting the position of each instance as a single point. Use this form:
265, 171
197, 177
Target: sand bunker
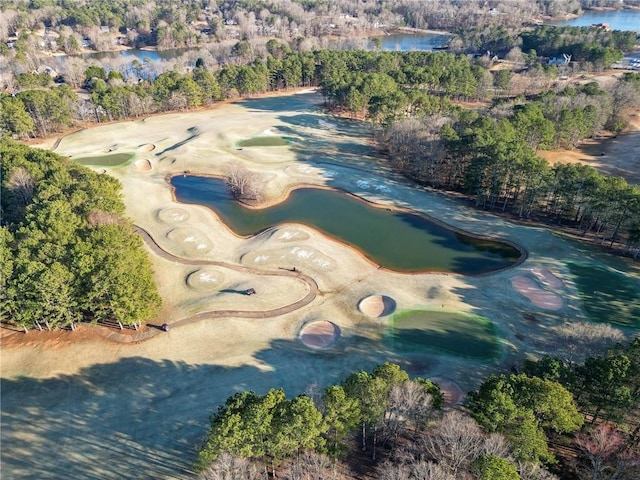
173, 215
290, 235
288, 257
143, 165
547, 278
191, 241
452, 392
377, 306
320, 334
539, 297
205, 279
147, 147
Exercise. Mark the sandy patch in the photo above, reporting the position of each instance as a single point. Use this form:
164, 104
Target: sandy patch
190, 241
320, 334
147, 147
376, 306
617, 155
539, 297
205, 279
453, 393
173, 215
290, 234
143, 165
547, 278
300, 256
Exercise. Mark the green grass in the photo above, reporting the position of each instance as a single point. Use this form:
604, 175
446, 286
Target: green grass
264, 141
455, 333
607, 296
111, 160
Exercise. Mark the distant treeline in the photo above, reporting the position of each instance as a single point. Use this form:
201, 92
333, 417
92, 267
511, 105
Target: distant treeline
67, 254
105, 24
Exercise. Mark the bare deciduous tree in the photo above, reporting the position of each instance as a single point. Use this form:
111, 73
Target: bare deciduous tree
456, 442
606, 450
534, 471
244, 184
22, 183
409, 403
228, 467
431, 471
583, 337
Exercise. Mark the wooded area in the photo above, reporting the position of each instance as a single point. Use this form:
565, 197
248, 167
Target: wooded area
67, 253
513, 429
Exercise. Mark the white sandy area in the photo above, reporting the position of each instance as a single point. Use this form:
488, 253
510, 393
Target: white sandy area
73, 402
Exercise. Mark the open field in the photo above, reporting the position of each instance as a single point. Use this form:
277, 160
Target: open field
75, 405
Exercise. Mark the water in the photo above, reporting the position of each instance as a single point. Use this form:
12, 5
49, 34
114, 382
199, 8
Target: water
136, 54
406, 43
617, 19
401, 42
399, 241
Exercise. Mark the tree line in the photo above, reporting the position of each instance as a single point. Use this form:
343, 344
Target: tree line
68, 254
493, 159
169, 24
510, 430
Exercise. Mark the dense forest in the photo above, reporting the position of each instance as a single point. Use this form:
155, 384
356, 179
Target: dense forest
67, 253
575, 420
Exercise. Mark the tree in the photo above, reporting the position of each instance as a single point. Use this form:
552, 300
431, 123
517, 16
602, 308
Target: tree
370, 394
490, 467
600, 386
241, 427
14, 119
520, 407
296, 426
455, 443
341, 417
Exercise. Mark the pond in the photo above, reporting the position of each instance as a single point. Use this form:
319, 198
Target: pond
398, 240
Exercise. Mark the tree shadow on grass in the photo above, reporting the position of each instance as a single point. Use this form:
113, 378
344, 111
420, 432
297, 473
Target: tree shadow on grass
138, 418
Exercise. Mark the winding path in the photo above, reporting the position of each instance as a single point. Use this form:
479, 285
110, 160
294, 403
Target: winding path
275, 312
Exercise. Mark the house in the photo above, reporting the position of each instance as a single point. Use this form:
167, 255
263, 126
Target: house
564, 60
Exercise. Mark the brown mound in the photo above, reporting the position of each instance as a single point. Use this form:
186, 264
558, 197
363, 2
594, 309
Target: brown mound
452, 392
147, 147
377, 306
320, 334
143, 165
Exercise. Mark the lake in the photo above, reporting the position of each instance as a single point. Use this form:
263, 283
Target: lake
617, 19
398, 240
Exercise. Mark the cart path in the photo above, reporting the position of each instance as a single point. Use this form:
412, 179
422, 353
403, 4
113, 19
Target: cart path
158, 250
